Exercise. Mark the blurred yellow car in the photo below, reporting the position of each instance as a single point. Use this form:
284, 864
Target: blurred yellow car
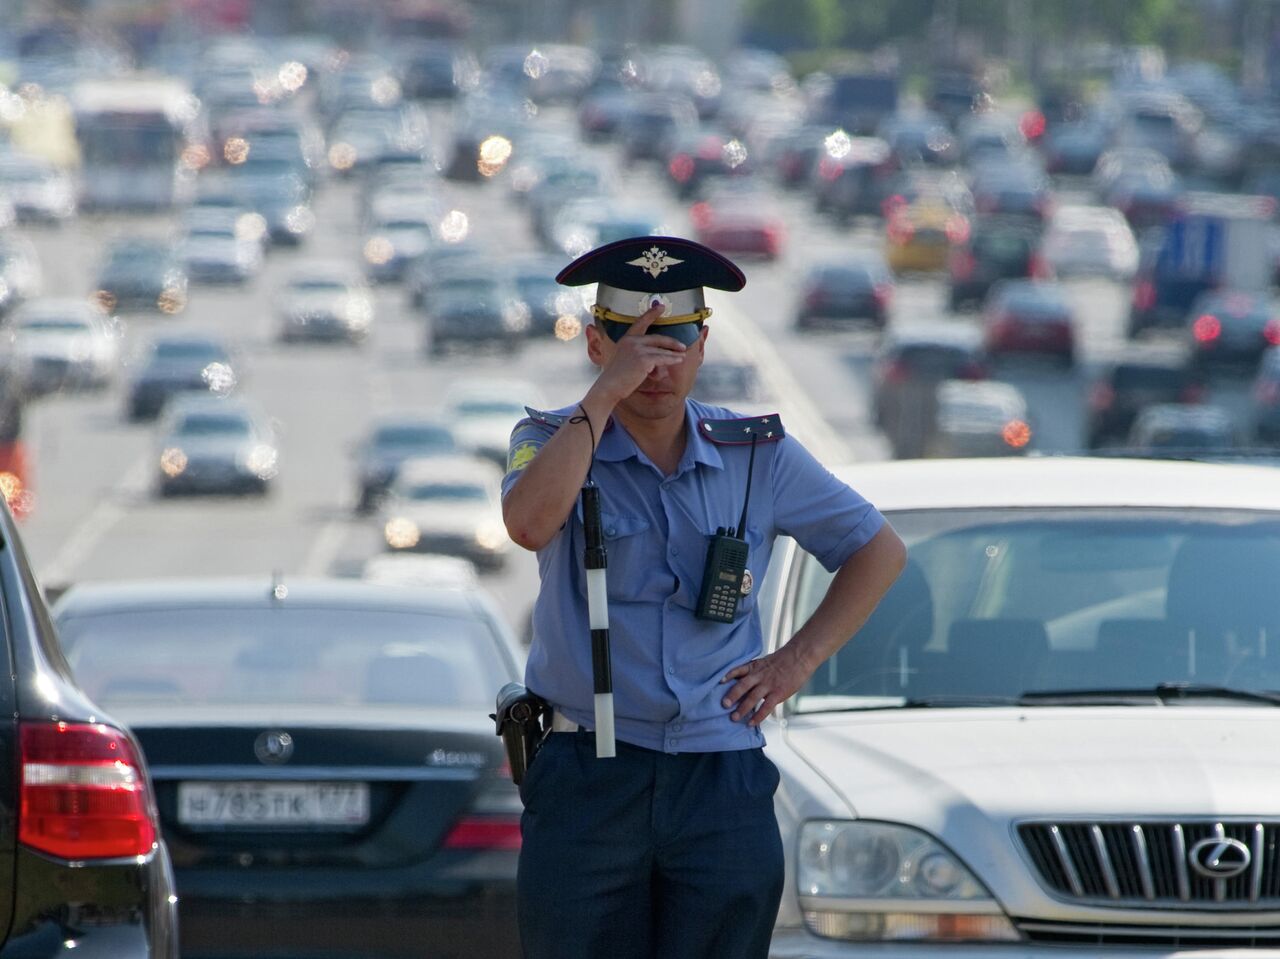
919, 236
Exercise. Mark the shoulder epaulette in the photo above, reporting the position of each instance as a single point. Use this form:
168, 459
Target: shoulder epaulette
548, 419
748, 429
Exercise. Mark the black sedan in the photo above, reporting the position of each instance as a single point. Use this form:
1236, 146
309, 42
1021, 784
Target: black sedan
856, 288
180, 363
85, 866
141, 273
327, 777
1226, 326
1126, 387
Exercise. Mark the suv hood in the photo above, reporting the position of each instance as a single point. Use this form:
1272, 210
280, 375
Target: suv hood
926, 766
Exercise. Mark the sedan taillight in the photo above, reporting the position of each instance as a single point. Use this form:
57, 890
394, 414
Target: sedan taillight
84, 793
484, 832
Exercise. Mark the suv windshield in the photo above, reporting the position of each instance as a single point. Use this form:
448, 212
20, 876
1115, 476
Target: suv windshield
996, 604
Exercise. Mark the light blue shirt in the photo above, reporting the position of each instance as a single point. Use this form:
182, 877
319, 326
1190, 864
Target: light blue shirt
667, 664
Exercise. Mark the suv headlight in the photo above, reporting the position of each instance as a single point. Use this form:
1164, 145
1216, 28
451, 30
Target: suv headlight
875, 881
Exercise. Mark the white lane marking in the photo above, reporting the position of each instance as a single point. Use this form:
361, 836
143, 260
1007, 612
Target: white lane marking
324, 550
85, 538
799, 413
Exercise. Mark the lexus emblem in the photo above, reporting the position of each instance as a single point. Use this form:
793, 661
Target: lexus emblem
1219, 857
275, 747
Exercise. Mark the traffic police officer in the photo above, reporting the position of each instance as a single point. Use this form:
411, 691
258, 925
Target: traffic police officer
671, 848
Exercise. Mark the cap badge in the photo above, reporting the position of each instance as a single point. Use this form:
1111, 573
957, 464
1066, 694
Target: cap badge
653, 261
650, 300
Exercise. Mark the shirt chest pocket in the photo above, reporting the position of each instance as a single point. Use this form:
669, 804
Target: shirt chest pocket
635, 568
691, 567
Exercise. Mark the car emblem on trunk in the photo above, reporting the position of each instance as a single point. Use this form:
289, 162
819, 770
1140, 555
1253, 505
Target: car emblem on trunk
1219, 857
273, 747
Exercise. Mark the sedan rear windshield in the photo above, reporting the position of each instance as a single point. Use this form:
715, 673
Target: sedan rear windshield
220, 655
996, 604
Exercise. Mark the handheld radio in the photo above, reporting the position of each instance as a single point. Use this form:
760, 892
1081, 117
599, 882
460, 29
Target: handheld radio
726, 564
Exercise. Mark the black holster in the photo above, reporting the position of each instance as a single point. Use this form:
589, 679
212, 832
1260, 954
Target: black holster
523, 720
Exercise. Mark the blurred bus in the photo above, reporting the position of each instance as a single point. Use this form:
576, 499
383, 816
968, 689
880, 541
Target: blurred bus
139, 142
15, 479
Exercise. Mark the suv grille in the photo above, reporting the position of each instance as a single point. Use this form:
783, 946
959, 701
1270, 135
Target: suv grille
1167, 937
1151, 863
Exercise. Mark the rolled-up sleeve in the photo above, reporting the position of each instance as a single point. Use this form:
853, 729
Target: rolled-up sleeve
821, 512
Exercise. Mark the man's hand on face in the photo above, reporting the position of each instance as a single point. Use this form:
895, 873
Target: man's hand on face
637, 354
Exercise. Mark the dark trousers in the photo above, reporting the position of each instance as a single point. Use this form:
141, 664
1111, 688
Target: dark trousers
648, 854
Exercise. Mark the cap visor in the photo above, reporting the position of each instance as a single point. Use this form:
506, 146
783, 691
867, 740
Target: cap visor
686, 333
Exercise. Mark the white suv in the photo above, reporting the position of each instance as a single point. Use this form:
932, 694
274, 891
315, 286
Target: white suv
1057, 734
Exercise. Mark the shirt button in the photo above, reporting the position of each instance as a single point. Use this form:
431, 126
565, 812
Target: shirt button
671, 670
610, 531
677, 727
675, 551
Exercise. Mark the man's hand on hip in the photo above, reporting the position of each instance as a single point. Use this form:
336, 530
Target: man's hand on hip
760, 685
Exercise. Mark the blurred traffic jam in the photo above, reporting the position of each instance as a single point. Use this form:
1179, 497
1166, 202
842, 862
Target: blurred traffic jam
276, 280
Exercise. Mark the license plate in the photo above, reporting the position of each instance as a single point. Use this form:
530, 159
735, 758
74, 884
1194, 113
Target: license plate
216, 805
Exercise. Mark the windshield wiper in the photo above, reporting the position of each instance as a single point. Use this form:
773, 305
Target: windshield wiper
1164, 692
958, 702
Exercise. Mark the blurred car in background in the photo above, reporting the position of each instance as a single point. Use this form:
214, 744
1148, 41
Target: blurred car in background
82, 834
64, 343
1180, 429
1013, 189
919, 136
1225, 326
727, 383
1090, 241
433, 570
553, 309
585, 224
473, 307
482, 413
699, 155
37, 188
393, 239
449, 505
141, 273
212, 444
979, 418
436, 263
856, 287
1122, 389
221, 248
324, 300
910, 363
1073, 148
178, 363
390, 441
329, 731
996, 248
919, 235
852, 176
654, 124
740, 223
1029, 316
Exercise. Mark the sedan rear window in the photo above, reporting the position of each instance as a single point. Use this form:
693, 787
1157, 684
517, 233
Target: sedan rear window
996, 604
221, 655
